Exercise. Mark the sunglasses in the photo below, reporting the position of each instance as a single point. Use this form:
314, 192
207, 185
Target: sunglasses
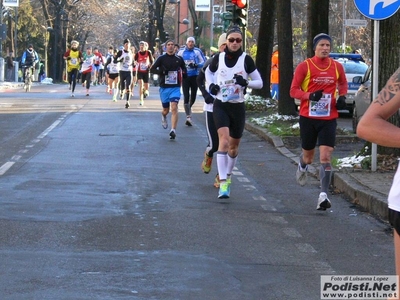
238, 40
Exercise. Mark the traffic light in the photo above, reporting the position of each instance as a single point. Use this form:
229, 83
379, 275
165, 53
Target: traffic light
227, 18
240, 12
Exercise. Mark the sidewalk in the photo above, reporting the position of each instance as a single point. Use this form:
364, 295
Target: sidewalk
365, 188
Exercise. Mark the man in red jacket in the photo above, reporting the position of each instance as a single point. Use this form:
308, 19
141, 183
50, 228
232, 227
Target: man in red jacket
315, 83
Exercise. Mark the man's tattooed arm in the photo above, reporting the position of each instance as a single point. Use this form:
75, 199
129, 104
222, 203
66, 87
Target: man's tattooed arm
391, 88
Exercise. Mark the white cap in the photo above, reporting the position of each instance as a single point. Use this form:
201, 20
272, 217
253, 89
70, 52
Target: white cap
222, 39
190, 38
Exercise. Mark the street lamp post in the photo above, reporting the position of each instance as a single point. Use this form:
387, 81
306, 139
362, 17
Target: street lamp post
184, 21
179, 23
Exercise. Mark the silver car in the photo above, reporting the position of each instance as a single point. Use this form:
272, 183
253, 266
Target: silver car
362, 98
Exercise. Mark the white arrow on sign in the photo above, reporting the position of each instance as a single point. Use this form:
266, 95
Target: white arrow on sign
374, 3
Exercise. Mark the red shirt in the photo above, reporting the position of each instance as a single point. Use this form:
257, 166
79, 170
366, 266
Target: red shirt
315, 74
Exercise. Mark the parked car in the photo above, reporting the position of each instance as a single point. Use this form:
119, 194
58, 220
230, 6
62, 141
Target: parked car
362, 99
353, 65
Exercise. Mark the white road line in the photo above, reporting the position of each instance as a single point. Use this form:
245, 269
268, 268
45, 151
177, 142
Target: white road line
292, 232
50, 128
243, 179
307, 248
269, 207
16, 157
249, 187
4, 168
259, 198
278, 219
237, 173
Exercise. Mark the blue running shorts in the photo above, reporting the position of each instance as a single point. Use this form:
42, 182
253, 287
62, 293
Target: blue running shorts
170, 94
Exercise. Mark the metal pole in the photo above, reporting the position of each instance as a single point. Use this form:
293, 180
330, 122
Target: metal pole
344, 26
1, 26
375, 63
15, 32
179, 23
212, 24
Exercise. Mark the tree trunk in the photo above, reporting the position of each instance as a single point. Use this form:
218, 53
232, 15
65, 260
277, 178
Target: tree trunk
318, 21
389, 61
285, 104
264, 46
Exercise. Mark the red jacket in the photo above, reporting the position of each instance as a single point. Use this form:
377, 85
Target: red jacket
315, 74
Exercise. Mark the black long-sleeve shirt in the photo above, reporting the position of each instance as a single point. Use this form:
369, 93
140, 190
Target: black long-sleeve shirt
165, 63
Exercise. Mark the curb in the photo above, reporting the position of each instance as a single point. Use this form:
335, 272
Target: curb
357, 193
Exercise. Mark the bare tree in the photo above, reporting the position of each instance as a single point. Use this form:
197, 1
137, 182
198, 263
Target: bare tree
264, 46
389, 61
285, 104
318, 21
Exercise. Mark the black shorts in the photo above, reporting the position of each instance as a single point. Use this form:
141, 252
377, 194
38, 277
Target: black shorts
229, 114
144, 76
394, 220
313, 130
113, 76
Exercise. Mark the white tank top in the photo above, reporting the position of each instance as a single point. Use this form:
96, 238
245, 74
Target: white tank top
126, 62
394, 194
230, 92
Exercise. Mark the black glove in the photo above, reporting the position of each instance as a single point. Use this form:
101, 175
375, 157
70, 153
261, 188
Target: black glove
240, 80
341, 103
192, 65
163, 70
69, 57
316, 95
209, 99
214, 89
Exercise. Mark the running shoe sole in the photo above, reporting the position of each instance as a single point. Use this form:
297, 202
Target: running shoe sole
301, 177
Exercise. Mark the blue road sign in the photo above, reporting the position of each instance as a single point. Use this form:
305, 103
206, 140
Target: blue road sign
377, 9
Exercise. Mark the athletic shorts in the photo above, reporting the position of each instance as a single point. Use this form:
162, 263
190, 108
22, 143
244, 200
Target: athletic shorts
113, 76
144, 76
167, 95
314, 130
394, 219
230, 114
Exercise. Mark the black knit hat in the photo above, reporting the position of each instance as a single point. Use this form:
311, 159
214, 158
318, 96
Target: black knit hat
233, 29
321, 36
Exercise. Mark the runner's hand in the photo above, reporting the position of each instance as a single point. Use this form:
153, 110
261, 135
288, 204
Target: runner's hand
240, 80
316, 95
341, 103
214, 89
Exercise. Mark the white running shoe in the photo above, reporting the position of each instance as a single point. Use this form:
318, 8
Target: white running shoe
323, 202
188, 121
172, 134
164, 122
301, 176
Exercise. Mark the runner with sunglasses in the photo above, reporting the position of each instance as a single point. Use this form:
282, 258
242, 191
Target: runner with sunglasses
227, 77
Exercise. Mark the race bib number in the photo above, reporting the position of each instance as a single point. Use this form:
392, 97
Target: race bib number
321, 108
188, 62
230, 92
143, 66
114, 69
74, 61
126, 63
172, 77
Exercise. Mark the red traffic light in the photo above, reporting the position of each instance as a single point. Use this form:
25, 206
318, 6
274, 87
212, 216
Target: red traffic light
240, 3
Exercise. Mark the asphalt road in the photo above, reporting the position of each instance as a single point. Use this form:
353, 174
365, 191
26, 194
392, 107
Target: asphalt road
98, 203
